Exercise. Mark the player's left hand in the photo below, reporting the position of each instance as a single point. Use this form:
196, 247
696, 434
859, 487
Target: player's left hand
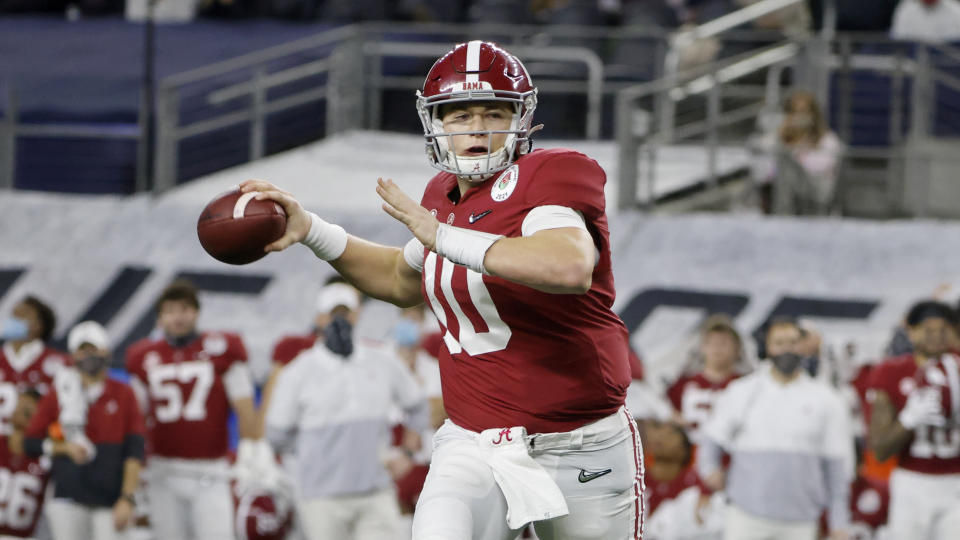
122, 514
401, 207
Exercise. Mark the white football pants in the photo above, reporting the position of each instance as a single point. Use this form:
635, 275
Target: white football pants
740, 525
374, 516
73, 521
462, 501
190, 499
924, 506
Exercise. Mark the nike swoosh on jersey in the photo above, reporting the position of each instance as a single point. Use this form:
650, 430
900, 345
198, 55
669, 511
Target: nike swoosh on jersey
586, 476
473, 218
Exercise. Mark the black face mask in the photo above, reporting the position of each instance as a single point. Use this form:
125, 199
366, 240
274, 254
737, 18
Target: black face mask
787, 363
92, 365
338, 336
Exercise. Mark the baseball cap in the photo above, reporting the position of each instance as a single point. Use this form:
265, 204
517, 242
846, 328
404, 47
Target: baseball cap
87, 332
337, 294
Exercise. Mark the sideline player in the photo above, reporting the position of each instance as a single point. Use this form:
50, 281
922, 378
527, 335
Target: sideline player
24, 479
26, 361
911, 423
512, 252
187, 381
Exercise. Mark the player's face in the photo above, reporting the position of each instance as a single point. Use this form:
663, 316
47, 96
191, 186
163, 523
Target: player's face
483, 116
177, 318
719, 350
26, 406
26, 313
932, 336
783, 338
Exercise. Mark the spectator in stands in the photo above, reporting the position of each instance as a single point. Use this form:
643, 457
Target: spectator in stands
94, 478
26, 359
912, 419
932, 21
805, 179
721, 352
791, 448
333, 404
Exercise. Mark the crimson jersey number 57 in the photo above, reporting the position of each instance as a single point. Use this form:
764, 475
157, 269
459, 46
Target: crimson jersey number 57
167, 382
490, 336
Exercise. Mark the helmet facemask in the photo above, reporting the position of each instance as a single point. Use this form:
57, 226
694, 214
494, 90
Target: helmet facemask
439, 144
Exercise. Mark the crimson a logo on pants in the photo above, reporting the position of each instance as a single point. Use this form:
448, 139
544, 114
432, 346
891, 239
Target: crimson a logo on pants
504, 434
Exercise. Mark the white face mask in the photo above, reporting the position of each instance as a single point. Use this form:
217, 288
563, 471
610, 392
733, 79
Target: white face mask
477, 168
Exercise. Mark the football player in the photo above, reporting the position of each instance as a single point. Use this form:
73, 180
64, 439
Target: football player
187, 382
26, 361
909, 419
24, 479
511, 250
693, 395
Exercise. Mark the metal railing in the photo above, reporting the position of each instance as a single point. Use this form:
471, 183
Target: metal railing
11, 129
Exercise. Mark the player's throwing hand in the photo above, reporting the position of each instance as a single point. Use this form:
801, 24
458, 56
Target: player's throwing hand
298, 220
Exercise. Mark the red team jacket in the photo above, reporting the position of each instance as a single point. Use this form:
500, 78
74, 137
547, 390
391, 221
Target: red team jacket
188, 404
114, 426
931, 450
24, 483
515, 356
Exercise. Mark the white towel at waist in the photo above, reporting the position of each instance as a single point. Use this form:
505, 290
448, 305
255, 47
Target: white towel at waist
530, 492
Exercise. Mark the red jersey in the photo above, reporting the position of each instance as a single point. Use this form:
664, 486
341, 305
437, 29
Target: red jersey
289, 347
188, 403
931, 450
693, 396
33, 367
658, 491
516, 356
24, 483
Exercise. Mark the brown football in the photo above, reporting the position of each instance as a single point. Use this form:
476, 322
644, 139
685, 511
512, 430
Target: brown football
234, 227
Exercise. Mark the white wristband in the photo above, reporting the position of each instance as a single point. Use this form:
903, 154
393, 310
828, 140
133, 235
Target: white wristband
413, 254
328, 241
463, 246
47, 446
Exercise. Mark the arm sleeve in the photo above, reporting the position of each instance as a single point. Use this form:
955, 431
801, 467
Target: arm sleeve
723, 420
36, 432
838, 461
413, 254
571, 180
282, 411
547, 217
709, 458
133, 436
238, 382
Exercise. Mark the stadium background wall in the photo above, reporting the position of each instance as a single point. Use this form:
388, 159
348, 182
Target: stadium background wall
107, 258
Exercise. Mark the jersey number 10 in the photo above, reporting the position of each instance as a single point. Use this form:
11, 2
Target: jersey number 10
471, 339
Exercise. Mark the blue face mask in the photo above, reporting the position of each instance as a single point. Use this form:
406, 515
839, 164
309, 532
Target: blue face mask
338, 336
14, 329
406, 333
